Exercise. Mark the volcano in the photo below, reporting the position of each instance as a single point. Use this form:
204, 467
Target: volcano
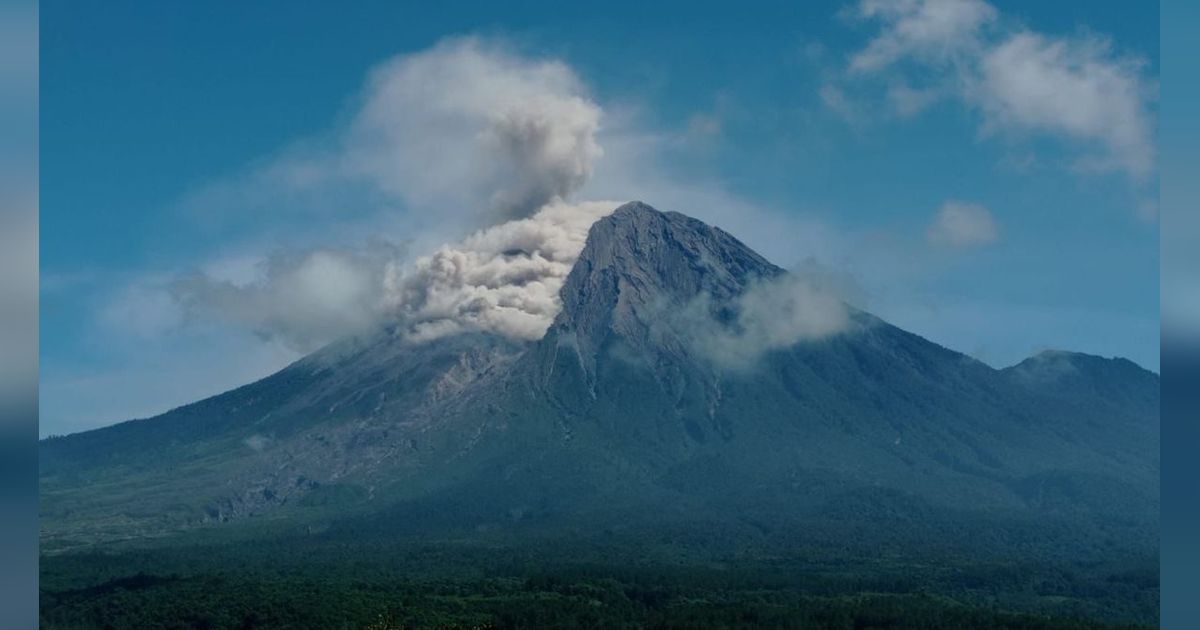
621, 421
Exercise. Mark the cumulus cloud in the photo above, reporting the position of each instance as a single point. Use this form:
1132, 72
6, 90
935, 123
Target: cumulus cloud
471, 124
962, 225
772, 314
504, 279
1077, 88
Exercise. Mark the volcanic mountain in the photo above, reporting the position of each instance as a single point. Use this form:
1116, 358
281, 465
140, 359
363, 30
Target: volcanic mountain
624, 419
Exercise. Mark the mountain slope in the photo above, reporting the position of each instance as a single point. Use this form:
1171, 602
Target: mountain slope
621, 419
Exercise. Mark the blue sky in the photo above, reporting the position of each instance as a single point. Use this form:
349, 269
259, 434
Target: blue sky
959, 192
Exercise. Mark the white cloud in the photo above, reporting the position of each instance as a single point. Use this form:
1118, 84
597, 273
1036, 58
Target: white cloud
772, 314
791, 308
1075, 88
302, 299
928, 30
962, 225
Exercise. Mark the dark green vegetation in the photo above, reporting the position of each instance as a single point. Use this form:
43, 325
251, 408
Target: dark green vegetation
317, 583
868, 470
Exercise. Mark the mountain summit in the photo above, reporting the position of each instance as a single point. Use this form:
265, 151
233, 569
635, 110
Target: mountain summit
637, 258
638, 268
627, 417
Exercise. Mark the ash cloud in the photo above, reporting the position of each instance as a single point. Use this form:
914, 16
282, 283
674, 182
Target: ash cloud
504, 279
469, 124
466, 129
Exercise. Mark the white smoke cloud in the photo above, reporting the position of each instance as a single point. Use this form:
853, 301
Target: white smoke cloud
504, 279
962, 225
470, 124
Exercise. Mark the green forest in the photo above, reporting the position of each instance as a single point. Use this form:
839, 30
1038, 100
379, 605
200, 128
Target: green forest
350, 585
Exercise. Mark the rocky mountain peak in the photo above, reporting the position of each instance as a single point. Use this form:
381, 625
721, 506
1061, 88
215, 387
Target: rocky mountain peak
638, 261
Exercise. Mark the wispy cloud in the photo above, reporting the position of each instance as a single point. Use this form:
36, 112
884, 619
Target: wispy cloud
303, 299
1076, 88
930, 31
771, 314
962, 225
